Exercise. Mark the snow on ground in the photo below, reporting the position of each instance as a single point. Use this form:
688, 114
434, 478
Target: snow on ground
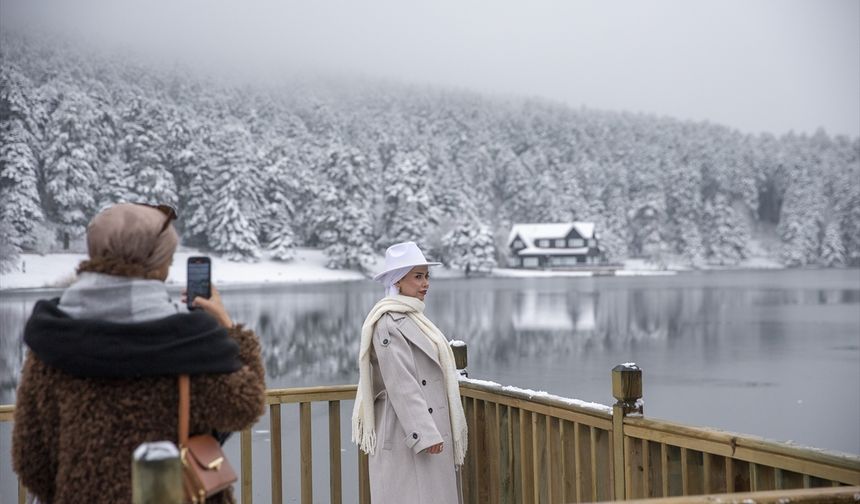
58, 270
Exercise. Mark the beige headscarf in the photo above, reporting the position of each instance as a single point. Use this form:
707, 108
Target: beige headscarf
126, 240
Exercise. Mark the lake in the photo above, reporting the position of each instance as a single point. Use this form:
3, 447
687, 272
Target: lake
770, 353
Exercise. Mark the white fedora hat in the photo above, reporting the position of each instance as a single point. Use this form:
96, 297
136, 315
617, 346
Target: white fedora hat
403, 255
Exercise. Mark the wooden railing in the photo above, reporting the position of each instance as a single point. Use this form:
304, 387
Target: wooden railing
528, 447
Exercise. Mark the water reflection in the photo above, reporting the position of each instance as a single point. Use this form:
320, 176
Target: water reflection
310, 334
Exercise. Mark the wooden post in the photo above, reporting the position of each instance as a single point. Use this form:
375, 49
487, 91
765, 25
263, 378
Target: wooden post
627, 390
460, 356
156, 474
245, 448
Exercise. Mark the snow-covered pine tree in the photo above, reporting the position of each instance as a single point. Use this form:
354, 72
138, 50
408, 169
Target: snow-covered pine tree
72, 163
684, 211
341, 218
850, 232
614, 234
832, 251
231, 232
470, 246
647, 210
233, 224
143, 150
799, 220
279, 213
9, 251
21, 117
408, 212
726, 233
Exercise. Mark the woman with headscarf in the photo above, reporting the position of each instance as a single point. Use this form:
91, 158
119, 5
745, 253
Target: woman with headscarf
408, 415
100, 376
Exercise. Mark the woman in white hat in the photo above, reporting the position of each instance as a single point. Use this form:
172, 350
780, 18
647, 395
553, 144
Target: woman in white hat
408, 415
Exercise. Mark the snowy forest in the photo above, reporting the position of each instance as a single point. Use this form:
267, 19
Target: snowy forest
353, 166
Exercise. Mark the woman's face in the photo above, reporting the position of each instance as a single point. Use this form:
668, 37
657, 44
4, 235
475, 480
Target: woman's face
415, 283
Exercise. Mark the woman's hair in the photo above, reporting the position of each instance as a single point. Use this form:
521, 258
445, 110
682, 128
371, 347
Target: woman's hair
131, 241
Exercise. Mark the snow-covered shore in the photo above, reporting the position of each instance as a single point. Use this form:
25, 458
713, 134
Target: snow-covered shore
58, 270
33, 271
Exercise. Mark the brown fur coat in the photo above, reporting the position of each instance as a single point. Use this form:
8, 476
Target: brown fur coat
73, 437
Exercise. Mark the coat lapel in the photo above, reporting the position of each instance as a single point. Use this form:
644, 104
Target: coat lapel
411, 332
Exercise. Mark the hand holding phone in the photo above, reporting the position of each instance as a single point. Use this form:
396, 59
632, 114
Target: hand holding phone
201, 294
199, 279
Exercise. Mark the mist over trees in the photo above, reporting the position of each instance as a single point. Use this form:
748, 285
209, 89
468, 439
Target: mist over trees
352, 167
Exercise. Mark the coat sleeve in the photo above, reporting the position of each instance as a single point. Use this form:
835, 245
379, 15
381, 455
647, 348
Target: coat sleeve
404, 391
34, 434
232, 401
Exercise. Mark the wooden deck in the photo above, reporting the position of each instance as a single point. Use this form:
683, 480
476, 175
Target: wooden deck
536, 448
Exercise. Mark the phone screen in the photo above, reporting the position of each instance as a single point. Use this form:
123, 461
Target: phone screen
198, 278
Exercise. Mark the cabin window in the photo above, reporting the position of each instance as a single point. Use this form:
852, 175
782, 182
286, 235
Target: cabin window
563, 261
519, 244
543, 243
559, 244
575, 242
530, 262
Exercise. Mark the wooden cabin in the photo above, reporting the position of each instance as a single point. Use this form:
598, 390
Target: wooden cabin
559, 246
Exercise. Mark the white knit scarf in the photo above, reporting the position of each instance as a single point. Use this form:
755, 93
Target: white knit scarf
363, 422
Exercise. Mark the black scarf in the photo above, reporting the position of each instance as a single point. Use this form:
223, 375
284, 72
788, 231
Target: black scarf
186, 343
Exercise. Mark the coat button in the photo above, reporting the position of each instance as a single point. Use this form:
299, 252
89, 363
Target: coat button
424, 382
385, 341
430, 410
414, 435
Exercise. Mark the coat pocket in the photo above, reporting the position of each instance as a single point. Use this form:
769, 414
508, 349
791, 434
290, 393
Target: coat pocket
389, 422
385, 420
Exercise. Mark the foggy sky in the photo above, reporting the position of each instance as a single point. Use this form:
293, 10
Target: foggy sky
757, 65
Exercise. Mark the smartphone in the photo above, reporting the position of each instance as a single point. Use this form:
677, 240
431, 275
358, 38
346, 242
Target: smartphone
199, 278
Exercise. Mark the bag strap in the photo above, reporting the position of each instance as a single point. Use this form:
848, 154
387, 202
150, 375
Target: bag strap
184, 408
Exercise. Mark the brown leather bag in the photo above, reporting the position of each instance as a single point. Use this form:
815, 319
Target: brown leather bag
205, 469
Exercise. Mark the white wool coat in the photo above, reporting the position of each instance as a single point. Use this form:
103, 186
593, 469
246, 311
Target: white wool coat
411, 414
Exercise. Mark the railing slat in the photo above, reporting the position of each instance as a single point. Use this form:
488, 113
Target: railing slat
754, 477
334, 470
664, 468
516, 451
578, 460
482, 446
685, 476
247, 482
730, 475
525, 456
307, 464
473, 466
275, 450
592, 437
363, 478
556, 458
494, 434
629, 492
537, 460
466, 470
506, 456
568, 448
646, 469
